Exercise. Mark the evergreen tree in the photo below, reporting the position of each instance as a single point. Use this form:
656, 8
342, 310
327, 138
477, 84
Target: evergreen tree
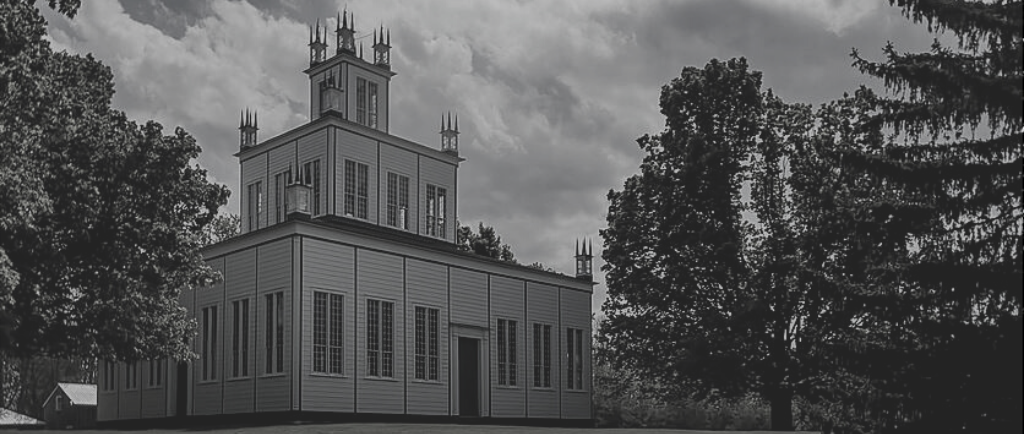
940, 345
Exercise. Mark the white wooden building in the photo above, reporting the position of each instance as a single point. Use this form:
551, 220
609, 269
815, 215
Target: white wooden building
346, 296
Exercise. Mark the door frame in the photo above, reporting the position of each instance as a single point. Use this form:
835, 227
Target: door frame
482, 335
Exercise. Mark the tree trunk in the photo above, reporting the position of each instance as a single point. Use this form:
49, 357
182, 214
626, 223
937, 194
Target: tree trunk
782, 410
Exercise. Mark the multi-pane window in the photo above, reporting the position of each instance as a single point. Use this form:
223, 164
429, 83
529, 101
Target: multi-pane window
209, 341
380, 338
274, 333
361, 101
255, 197
541, 355
366, 102
131, 376
507, 368
574, 358
357, 189
372, 88
311, 177
156, 373
328, 332
426, 343
398, 201
437, 212
109, 375
281, 180
240, 338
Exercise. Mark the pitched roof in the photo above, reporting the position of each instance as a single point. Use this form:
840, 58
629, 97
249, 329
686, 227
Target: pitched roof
78, 393
13, 418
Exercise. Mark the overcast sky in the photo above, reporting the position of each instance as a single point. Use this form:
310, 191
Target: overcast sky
551, 95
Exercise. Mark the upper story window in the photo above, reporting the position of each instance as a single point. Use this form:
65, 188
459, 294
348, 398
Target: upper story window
367, 107
361, 101
311, 177
398, 201
437, 211
357, 189
281, 180
373, 105
255, 196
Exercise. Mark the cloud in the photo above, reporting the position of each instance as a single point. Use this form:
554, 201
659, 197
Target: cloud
550, 95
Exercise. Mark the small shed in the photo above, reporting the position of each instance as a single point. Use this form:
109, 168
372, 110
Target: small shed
11, 419
71, 406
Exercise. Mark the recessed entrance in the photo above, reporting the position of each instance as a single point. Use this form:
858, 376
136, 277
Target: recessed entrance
469, 377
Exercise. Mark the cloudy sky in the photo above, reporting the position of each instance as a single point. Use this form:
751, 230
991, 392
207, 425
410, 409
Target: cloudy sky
551, 95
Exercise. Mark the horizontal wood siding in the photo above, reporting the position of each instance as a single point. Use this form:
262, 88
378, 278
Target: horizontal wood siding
253, 169
427, 286
379, 276
314, 147
361, 149
239, 284
154, 399
401, 162
443, 175
129, 401
575, 309
469, 297
542, 307
274, 266
208, 395
282, 159
330, 268
507, 302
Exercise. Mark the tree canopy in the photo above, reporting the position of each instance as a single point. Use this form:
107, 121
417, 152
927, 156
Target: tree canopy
101, 217
699, 296
484, 242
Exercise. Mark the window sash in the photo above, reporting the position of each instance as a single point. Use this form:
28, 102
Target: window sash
502, 355
320, 332
432, 344
373, 105
361, 101
380, 342
337, 337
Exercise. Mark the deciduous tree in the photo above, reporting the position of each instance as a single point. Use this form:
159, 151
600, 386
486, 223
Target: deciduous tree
101, 218
697, 293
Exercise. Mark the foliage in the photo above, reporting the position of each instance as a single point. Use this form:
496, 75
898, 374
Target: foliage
484, 242
695, 291
223, 227
937, 344
102, 218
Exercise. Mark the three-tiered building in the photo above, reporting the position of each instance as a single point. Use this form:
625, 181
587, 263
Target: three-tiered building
346, 294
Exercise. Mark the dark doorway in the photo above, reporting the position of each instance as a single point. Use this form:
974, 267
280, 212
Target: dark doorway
182, 398
469, 377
